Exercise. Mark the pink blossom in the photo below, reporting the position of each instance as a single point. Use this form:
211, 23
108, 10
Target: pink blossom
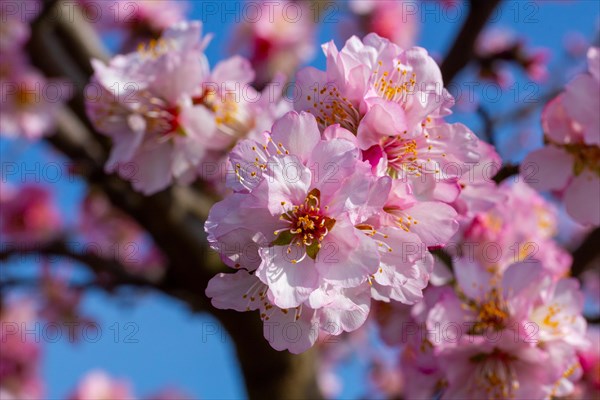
164, 123
394, 20
278, 39
512, 334
138, 20
304, 219
114, 235
569, 163
499, 48
393, 100
60, 302
30, 103
589, 386
505, 369
479, 192
521, 227
28, 215
15, 31
20, 356
97, 385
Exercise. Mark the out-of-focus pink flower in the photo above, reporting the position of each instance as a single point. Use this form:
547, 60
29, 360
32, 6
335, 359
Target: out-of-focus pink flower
589, 386
479, 192
387, 379
394, 20
576, 43
570, 162
97, 385
101, 222
14, 30
168, 111
521, 227
20, 356
60, 302
499, 48
278, 40
506, 369
28, 215
139, 20
512, 334
113, 235
29, 102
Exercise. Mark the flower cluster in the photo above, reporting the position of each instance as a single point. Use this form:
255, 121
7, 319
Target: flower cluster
29, 101
20, 356
166, 112
506, 322
278, 40
28, 215
569, 164
341, 201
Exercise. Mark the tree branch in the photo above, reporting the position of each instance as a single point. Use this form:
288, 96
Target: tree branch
587, 255
462, 50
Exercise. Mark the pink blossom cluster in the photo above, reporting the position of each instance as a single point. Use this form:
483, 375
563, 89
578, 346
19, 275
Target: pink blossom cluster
167, 112
500, 325
397, 20
111, 234
278, 40
28, 215
340, 201
20, 355
138, 20
29, 101
498, 48
569, 163
496, 335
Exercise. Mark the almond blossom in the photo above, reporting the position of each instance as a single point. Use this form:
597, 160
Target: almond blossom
521, 227
394, 20
20, 354
508, 335
30, 102
28, 215
165, 111
393, 100
278, 39
569, 164
304, 220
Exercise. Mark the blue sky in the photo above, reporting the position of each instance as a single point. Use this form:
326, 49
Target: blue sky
175, 347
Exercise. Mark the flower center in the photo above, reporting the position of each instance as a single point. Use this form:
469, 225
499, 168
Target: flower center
330, 108
586, 157
495, 374
401, 155
492, 314
395, 85
307, 226
231, 115
155, 48
25, 97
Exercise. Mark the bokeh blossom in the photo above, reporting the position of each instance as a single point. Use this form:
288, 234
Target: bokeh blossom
569, 164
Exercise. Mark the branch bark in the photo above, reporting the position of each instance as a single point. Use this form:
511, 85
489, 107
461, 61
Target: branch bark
462, 50
587, 255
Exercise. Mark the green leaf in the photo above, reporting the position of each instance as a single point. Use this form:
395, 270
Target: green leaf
283, 239
313, 249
